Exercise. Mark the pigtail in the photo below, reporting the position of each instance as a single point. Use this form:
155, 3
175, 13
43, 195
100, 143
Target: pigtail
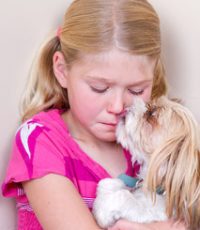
43, 91
159, 83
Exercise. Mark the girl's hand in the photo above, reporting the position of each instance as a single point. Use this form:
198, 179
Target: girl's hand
164, 225
127, 225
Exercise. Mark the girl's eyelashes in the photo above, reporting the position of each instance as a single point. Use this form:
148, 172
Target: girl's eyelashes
136, 92
103, 89
99, 90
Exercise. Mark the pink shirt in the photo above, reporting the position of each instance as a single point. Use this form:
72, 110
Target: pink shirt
44, 145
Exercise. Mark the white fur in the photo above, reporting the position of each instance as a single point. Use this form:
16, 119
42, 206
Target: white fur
114, 200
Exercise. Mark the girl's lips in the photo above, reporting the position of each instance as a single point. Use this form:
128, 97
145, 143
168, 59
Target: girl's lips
110, 124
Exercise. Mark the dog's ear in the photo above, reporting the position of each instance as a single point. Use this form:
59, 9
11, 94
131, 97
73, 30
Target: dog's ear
175, 166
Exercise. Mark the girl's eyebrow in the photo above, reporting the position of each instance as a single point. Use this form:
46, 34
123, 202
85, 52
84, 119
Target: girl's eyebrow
105, 80
143, 82
99, 79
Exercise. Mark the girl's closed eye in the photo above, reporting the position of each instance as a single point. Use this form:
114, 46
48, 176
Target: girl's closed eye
99, 89
136, 91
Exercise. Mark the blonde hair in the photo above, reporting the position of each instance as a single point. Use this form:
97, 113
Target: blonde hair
92, 26
179, 158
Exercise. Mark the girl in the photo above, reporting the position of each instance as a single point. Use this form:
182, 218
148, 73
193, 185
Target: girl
105, 53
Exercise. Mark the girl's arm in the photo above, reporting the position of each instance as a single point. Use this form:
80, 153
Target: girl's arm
167, 225
58, 205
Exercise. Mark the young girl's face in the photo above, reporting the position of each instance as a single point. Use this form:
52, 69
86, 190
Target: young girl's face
100, 88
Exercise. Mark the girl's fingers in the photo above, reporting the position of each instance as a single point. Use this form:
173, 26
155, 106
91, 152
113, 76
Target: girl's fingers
126, 225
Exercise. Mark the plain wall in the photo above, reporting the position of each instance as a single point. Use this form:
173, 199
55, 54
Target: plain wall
23, 26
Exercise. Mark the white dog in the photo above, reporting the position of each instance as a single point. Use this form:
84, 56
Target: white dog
163, 137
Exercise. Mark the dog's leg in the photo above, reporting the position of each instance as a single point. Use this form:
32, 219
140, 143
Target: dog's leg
111, 197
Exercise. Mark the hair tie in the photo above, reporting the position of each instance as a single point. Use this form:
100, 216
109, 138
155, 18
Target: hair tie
59, 31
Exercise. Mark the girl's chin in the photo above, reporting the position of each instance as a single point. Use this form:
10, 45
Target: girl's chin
107, 138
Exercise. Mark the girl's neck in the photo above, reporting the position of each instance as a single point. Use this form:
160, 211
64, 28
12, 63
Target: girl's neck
108, 154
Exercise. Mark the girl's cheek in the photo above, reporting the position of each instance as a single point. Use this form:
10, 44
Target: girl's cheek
147, 95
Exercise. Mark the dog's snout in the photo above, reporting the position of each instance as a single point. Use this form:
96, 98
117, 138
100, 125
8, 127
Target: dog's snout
122, 115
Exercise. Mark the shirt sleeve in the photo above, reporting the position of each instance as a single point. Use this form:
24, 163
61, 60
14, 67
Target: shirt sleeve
35, 153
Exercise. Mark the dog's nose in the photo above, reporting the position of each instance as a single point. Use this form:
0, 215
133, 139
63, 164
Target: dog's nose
122, 116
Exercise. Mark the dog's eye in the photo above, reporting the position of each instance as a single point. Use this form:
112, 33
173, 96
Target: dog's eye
150, 114
151, 111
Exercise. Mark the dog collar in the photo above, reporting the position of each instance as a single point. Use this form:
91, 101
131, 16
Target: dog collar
129, 181
134, 182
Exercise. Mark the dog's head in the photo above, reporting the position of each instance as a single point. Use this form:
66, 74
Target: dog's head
145, 127
164, 135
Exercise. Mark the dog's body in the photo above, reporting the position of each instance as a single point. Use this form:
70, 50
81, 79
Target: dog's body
114, 201
163, 137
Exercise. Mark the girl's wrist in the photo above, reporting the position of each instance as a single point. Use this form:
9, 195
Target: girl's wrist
167, 225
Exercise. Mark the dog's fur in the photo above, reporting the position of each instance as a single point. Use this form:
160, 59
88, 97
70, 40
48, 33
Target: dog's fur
163, 137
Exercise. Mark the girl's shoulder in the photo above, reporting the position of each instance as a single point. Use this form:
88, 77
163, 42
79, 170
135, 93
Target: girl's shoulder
49, 123
41, 146
47, 118
44, 132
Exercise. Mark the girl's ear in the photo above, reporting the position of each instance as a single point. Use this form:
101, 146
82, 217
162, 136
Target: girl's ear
60, 68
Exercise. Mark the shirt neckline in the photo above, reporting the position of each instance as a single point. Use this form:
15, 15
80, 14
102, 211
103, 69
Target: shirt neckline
100, 171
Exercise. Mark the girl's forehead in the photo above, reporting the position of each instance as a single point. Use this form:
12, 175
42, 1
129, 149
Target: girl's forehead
115, 66
116, 57
115, 54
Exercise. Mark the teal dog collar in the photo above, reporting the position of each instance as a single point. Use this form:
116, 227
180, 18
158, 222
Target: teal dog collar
129, 181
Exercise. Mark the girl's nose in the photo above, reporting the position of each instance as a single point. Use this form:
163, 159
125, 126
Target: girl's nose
116, 105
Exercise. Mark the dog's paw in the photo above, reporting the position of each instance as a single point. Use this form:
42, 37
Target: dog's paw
106, 218
109, 185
